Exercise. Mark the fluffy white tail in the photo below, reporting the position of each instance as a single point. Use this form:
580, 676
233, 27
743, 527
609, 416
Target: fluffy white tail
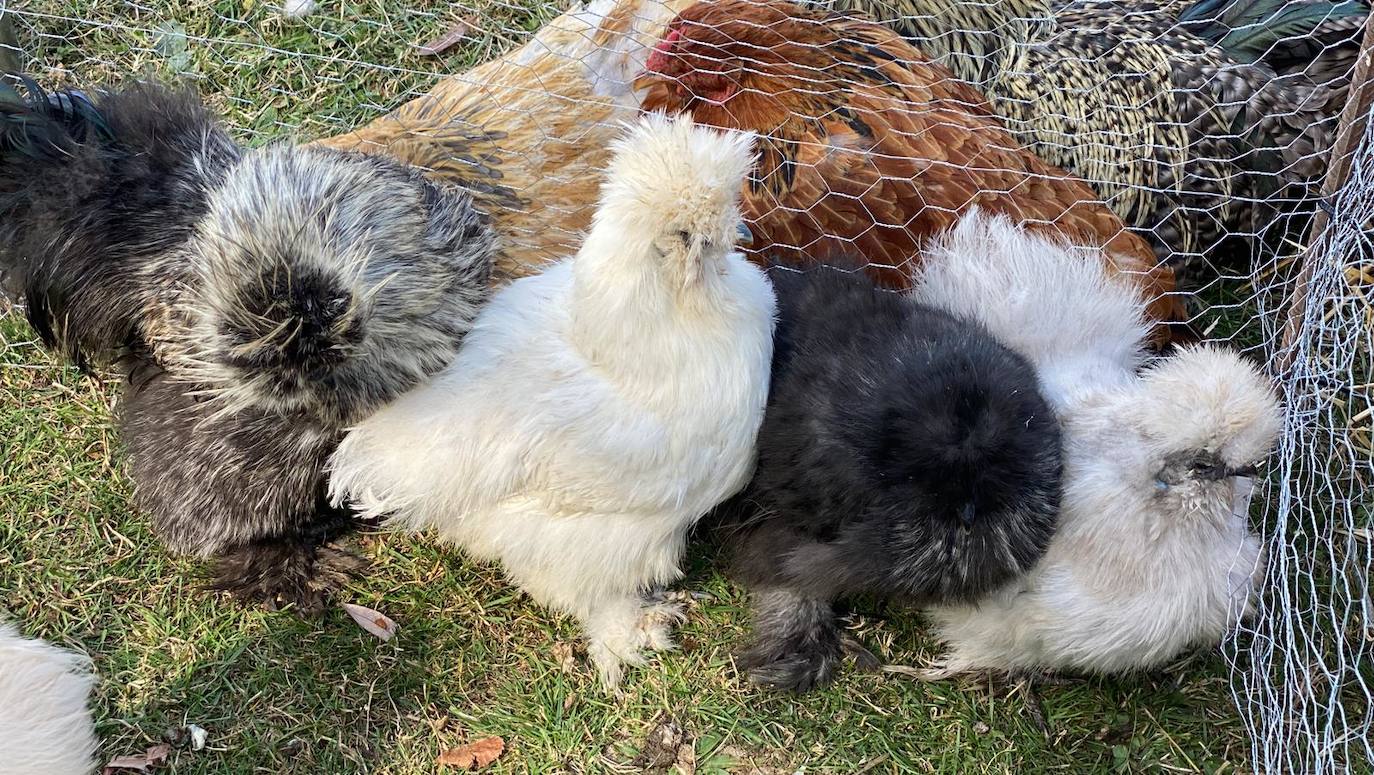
1054, 303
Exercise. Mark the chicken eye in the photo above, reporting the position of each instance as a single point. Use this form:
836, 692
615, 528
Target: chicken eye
686, 238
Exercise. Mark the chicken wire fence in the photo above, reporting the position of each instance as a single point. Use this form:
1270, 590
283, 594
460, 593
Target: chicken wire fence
1205, 125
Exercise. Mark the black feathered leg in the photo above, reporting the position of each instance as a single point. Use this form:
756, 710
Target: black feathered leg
301, 568
246, 489
797, 641
864, 659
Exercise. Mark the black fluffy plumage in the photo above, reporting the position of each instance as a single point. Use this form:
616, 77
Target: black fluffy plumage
90, 195
259, 302
904, 453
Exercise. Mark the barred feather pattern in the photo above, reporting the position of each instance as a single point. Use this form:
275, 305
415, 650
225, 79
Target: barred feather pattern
1097, 87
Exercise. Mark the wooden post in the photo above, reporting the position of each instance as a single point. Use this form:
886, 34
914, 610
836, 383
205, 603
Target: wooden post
1349, 132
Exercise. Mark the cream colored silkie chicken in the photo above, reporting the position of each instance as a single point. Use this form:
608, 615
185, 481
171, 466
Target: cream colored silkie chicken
597, 410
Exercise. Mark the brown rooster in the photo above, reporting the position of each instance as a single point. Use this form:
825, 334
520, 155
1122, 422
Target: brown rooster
529, 133
867, 147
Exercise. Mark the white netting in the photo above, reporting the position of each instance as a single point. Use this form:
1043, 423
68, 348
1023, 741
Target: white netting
1304, 671
1217, 163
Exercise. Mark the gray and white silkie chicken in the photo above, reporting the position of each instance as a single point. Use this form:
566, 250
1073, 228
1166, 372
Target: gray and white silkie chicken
1153, 554
259, 301
599, 409
904, 453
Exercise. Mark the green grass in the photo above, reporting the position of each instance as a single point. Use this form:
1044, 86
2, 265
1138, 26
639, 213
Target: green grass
278, 694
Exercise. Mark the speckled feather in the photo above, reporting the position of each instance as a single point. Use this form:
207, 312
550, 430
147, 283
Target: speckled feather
1098, 87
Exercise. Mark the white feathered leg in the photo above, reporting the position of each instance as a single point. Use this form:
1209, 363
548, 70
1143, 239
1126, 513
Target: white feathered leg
620, 629
596, 569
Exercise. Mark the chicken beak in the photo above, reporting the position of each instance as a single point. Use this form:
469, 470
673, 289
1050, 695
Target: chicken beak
693, 269
743, 236
966, 514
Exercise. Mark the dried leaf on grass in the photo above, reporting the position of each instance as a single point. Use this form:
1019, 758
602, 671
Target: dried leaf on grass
375, 622
474, 756
152, 758
662, 750
451, 37
566, 655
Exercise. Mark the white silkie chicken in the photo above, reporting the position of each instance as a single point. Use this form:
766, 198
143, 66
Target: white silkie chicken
1153, 554
598, 410
45, 725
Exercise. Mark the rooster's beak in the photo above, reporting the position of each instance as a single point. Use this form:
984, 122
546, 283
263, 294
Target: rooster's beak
743, 235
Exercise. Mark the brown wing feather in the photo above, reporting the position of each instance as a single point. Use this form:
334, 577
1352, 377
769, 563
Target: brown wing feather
871, 149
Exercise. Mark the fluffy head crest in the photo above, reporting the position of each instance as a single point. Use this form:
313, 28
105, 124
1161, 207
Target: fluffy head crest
1208, 401
672, 171
332, 282
978, 448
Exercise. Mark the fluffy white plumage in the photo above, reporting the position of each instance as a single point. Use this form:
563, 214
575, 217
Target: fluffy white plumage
1053, 303
298, 9
597, 410
45, 726
1153, 554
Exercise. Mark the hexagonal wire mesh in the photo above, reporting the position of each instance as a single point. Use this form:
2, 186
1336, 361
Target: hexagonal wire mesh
1204, 125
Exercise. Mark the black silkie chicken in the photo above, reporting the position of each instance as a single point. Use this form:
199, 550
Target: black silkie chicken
904, 452
259, 302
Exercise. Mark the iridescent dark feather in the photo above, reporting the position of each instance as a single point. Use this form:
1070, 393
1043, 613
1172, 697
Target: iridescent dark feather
43, 125
1251, 30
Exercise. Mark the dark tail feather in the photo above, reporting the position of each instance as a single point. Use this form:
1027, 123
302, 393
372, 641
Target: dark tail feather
1272, 30
40, 132
43, 126
94, 189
